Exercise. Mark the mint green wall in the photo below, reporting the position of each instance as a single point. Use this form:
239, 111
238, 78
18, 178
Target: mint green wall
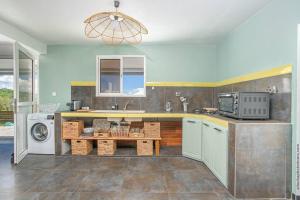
66, 63
266, 40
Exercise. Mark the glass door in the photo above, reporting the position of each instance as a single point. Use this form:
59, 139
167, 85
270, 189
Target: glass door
23, 98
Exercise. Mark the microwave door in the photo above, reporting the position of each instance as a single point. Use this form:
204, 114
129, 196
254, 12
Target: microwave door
226, 103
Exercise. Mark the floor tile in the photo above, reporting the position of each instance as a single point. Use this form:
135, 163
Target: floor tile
137, 181
187, 181
59, 196
100, 196
58, 181
102, 181
177, 163
41, 162
144, 196
21, 196
18, 181
193, 196
146, 164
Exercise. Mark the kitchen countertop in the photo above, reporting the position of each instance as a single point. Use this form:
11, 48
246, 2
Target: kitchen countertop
217, 119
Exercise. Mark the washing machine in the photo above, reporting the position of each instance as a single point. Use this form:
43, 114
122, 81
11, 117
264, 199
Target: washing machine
41, 138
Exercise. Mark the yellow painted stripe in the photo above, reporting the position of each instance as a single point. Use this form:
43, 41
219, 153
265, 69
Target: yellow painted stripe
286, 69
214, 120
83, 83
181, 84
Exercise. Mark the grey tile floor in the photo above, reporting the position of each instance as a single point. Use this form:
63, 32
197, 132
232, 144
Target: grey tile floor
42, 177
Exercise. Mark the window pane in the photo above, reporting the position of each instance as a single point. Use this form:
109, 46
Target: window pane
110, 75
25, 78
6, 92
133, 76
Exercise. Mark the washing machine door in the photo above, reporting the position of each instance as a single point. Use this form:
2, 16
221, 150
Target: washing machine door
39, 132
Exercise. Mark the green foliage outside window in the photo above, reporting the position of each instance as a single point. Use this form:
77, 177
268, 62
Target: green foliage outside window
6, 98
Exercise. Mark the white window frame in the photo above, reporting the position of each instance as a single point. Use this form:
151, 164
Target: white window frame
35, 79
121, 94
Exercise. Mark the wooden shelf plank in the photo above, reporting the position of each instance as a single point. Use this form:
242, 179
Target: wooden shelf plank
110, 138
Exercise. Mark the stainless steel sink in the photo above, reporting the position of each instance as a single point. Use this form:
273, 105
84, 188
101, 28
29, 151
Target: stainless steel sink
118, 111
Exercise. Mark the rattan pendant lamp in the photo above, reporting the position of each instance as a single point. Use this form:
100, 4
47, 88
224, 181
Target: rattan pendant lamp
114, 27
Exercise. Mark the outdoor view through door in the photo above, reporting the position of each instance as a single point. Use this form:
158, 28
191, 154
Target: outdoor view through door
6, 91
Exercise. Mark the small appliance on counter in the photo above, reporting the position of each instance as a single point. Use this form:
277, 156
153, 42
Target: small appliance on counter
74, 105
209, 111
244, 105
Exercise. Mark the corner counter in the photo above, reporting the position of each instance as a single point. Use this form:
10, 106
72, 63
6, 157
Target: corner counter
211, 118
258, 157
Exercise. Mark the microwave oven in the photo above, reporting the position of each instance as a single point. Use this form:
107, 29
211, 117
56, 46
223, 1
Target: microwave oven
244, 105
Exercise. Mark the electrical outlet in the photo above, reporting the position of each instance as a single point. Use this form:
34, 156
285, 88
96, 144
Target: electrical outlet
54, 94
272, 89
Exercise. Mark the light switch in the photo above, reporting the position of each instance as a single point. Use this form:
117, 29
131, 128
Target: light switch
54, 94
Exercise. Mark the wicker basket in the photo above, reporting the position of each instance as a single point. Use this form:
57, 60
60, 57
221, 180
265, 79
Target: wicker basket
106, 147
120, 131
81, 147
144, 147
72, 129
101, 134
101, 124
136, 133
152, 129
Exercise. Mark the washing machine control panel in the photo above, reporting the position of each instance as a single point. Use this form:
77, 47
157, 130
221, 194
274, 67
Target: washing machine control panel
50, 117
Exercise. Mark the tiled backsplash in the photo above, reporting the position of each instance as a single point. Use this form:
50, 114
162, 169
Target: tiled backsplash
154, 102
280, 102
197, 97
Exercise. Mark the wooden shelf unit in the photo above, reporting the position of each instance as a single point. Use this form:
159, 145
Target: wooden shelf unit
156, 140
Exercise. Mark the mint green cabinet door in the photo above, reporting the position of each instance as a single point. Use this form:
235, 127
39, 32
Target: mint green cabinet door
192, 138
206, 129
214, 150
220, 159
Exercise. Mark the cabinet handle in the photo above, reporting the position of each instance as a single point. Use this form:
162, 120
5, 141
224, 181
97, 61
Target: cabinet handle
205, 124
218, 129
190, 121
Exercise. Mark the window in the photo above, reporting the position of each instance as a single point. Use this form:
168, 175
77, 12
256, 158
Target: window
121, 76
25, 78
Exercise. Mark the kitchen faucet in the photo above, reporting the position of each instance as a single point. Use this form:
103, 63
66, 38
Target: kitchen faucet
184, 103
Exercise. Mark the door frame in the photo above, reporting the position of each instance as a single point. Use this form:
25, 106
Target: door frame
35, 97
296, 126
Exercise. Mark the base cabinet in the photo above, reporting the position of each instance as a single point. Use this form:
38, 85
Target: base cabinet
192, 138
220, 158
207, 142
215, 150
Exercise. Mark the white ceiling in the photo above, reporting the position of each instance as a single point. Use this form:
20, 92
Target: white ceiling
6, 50
61, 21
